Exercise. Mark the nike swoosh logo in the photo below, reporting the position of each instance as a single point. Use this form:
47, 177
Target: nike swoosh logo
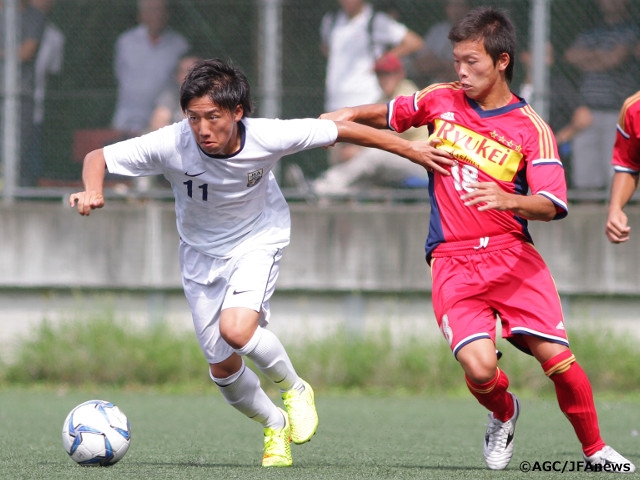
238, 292
193, 175
509, 438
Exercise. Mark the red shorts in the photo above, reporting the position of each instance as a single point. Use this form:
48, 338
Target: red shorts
504, 277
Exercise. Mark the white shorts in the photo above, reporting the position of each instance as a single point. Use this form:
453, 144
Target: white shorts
214, 284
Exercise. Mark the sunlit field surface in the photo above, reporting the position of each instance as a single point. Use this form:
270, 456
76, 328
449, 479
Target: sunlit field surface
197, 436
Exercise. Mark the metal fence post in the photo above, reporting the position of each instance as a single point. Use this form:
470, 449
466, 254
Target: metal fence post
270, 62
10, 107
540, 14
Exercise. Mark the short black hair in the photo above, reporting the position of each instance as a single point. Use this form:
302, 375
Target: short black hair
224, 83
494, 27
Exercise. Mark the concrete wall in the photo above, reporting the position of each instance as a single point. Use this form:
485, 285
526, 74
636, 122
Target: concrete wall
374, 247
369, 247
357, 265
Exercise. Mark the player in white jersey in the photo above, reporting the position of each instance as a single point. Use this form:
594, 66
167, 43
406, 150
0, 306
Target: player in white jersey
234, 223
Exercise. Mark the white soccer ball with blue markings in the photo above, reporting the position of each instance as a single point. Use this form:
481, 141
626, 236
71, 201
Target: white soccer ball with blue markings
96, 433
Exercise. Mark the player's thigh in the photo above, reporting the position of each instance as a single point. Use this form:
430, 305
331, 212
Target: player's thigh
252, 281
462, 312
205, 301
528, 302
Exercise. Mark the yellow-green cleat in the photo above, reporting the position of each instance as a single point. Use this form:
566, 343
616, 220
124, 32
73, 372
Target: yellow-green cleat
277, 445
302, 413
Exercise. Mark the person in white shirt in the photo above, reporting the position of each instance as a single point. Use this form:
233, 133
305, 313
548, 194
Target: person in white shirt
372, 167
146, 58
353, 38
234, 223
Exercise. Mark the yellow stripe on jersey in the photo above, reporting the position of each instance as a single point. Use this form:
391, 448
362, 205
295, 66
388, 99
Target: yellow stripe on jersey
488, 155
561, 367
628, 103
437, 86
545, 137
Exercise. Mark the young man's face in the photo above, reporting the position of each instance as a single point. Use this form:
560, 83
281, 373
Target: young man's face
476, 70
214, 129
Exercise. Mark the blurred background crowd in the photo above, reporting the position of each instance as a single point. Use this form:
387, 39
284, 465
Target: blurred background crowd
79, 74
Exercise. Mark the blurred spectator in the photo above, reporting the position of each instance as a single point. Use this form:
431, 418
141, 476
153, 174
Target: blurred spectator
48, 62
167, 109
568, 115
372, 167
146, 57
31, 22
605, 57
433, 63
353, 38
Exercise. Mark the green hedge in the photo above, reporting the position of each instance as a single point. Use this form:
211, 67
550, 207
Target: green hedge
106, 352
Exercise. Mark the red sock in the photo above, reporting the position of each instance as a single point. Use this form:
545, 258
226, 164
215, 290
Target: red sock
575, 398
493, 395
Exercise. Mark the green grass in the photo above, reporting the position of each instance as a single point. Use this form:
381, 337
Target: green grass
386, 411
197, 436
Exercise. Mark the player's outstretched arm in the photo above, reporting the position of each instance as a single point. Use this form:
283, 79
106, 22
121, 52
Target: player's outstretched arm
421, 152
93, 171
374, 115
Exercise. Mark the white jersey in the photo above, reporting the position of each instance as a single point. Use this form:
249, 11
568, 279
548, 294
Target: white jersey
224, 204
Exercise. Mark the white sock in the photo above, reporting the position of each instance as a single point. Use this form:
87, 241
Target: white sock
243, 392
269, 355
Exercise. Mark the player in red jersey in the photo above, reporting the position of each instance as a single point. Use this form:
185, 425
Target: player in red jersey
489, 150
626, 167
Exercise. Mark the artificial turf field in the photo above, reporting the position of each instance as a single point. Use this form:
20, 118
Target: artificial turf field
197, 436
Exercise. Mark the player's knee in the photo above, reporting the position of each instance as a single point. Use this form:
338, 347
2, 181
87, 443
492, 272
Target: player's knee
234, 336
237, 326
480, 374
479, 369
479, 361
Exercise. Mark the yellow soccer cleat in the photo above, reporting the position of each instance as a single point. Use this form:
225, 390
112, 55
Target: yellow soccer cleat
277, 445
302, 413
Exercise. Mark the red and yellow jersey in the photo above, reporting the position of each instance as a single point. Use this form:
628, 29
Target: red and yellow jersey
626, 151
511, 146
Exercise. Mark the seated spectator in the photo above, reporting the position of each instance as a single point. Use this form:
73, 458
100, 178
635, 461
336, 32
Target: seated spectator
371, 167
352, 39
167, 109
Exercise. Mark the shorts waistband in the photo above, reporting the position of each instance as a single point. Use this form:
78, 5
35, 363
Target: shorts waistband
478, 245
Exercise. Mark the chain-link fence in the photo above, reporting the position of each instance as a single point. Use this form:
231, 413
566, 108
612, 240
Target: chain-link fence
80, 99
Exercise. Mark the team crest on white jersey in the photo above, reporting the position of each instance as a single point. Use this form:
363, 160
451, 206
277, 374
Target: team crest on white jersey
254, 177
450, 116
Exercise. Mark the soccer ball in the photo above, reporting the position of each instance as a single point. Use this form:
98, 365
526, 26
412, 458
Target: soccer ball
96, 433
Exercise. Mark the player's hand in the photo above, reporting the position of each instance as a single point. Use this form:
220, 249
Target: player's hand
431, 157
617, 228
86, 201
487, 196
